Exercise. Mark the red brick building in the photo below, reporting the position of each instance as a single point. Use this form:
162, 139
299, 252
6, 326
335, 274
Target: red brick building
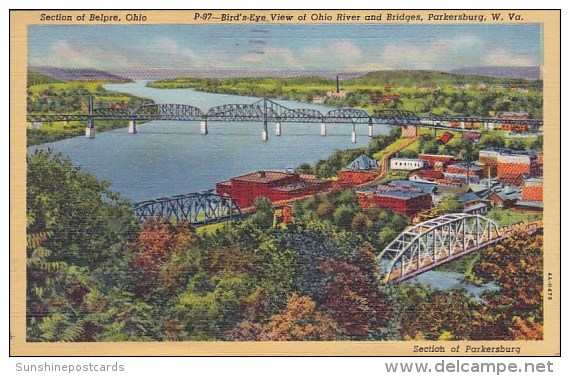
274, 185
359, 171
441, 160
400, 199
532, 190
512, 166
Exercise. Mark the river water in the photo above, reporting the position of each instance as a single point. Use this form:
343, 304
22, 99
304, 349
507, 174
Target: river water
168, 158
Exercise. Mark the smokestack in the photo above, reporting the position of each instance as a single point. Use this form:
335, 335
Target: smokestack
337, 84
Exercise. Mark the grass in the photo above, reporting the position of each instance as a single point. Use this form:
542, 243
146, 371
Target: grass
394, 145
506, 217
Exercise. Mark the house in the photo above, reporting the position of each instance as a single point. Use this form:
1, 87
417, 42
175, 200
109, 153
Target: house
514, 126
474, 136
274, 185
445, 138
532, 189
504, 197
384, 98
465, 172
513, 164
438, 161
360, 170
408, 202
473, 203
408, 164
531, 195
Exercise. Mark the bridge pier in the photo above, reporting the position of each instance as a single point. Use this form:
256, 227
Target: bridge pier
278, 128
264, 134
90, 129
323, 129
370, 128
204, 127
132, 126
353, 137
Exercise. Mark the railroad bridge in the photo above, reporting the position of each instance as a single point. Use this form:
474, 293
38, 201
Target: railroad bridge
440, 240
268, 111
193, 209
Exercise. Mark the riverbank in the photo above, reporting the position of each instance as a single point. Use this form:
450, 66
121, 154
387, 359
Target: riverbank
72, 97
423, 92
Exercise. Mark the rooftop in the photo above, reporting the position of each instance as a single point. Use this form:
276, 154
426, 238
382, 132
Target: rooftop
424, 187
465, 165
363, 162
263, 176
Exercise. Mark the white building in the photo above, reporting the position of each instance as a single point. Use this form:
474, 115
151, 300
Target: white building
408, 164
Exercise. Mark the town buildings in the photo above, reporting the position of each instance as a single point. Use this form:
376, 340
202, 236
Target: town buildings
359, 171
274, 185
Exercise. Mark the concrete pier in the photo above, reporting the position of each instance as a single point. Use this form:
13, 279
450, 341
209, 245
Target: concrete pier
370, 130
353, 137
264, 135
90, 129
278, 128
204, 127
132, 127
323, 129
89, 132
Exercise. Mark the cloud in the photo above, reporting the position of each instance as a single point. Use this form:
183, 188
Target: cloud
503, 57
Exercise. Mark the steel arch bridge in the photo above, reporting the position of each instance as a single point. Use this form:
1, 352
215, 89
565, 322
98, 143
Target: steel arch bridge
432, 243
193, 209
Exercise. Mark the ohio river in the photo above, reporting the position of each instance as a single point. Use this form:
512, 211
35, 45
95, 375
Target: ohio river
168, 158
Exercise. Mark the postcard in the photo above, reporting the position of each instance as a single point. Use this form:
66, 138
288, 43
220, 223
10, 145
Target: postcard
304, 182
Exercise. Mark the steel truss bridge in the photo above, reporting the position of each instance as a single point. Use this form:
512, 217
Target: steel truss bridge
192, 209
437, 241
266, 110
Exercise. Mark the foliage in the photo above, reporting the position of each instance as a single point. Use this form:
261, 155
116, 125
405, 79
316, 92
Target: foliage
299, 321
430, 314
263, 216
88, 222
515, 311
449, 205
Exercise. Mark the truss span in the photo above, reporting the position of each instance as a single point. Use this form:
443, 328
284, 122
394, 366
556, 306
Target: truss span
194, 209
179, 112
431, 243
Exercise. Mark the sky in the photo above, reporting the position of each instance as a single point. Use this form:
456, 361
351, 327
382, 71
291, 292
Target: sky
329, 47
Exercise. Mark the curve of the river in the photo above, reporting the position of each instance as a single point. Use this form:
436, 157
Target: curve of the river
168, 158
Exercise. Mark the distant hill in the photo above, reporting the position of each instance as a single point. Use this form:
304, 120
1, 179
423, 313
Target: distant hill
77, 74
437, 78
35, 78
529, 73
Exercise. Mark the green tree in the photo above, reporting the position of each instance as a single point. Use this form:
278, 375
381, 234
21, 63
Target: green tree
89, 223
517, 144
263, 216
448, 205
492, 140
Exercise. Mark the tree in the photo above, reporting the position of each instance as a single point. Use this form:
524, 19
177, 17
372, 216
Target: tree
427, 314
352, 295
516, 266
89, 223
449, 205
263, 216
537, 144
492, 140
299, 321
517, 144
